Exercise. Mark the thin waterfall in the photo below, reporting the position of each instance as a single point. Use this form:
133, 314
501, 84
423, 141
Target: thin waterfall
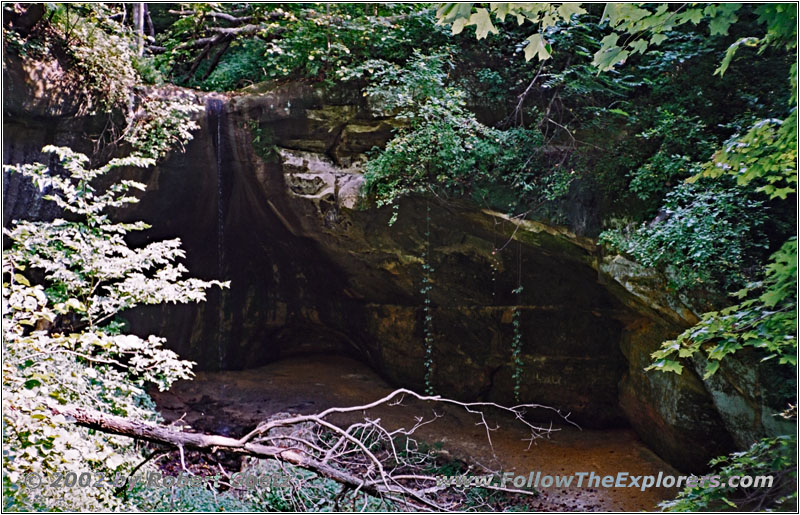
215, 111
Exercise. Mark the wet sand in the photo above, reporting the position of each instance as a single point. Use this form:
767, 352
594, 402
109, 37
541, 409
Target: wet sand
232, 402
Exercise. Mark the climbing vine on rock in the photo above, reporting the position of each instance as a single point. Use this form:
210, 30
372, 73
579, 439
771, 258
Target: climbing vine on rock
425, 290
516, 341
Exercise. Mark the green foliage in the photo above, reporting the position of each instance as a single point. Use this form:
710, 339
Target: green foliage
776, 457
162, 125
516, 350
781, 22
765, 320
681, 141
298, 41
148, 71
764, 159
61, 342
542, 15
262, 140
636, 27
443, 148
707, 238
245, 63
766, 156
102, 50
108, 74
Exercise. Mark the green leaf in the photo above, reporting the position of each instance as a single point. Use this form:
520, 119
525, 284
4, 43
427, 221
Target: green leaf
711, 368
538, 47
693, 15
483, 23
667, 365
722, 17
619, 112
569, 9
32, 383
726, 61
640, 45
657, 39
458, 25
605, 60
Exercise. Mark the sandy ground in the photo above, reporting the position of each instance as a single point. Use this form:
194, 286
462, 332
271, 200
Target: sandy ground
233, 402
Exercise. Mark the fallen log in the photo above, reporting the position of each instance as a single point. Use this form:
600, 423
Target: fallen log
163, 435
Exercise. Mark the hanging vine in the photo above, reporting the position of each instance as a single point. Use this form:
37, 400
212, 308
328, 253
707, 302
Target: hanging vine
425, 290
516, 341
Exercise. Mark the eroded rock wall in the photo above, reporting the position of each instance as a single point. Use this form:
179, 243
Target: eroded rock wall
266, 196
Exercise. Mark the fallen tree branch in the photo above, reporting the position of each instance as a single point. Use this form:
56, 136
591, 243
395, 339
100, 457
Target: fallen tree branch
362, 457
217, 15
215, 60
159, 434
234, 32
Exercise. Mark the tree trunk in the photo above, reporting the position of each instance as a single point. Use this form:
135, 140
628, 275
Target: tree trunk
138, 9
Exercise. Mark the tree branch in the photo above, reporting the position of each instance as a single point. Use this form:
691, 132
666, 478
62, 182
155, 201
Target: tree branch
216, 58
363, 457
159, 434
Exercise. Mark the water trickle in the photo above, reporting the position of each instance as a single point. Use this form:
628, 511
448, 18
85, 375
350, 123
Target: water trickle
215, 112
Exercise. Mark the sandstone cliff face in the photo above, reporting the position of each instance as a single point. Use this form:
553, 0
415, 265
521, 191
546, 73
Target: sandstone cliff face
267, 196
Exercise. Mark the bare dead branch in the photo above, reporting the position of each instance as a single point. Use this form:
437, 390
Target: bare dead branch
363, 457
215, 60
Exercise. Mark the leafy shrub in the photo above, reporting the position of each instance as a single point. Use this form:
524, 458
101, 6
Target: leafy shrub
443, 148
161, 126
707, 237
682, 141
309, 42
62, 344
101, 49
775, 457
766, 320
245, 63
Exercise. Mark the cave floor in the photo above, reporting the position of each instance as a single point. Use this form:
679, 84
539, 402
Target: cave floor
232, 402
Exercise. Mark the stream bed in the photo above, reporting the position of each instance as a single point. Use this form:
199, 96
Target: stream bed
232, 402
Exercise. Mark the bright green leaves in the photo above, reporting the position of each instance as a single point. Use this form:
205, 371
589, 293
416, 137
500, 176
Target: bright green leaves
766, 321
567, 10
766, 155
449, 13
443, 148
707, 238
542, 15
774, 457
624, 15
731, 52
666, 365
483, 23
721, 17
75, 353
644, 27
635, 26
693, 15
609, 54
75, 193
538, 47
